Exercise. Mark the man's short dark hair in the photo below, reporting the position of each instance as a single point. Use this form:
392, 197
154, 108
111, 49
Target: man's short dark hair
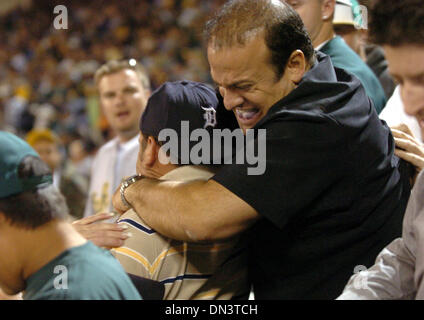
283, 28
32, 209
396, 23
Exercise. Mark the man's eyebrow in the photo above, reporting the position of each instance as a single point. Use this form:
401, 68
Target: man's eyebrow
419, 77
235, 84
130, 86
108, 92
126, 87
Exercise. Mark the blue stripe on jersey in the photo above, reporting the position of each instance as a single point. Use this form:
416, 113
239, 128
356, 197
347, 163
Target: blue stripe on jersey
186, 276
138, 226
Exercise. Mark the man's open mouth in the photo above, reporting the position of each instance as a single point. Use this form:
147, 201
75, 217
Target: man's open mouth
247, 114
122, 114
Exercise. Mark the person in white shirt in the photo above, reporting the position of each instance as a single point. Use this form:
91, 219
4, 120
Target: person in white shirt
394, 114
124, 89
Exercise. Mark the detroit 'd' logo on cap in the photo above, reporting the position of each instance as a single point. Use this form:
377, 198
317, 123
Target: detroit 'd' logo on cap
210, 117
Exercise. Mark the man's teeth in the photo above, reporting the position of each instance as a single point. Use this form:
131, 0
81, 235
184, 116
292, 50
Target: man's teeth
246, 114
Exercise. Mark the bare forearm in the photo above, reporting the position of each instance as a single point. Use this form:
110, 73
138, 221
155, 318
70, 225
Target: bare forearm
154, 201
194, 211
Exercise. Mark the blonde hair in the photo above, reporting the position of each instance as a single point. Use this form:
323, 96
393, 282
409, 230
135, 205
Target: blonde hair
43, 134
114, 66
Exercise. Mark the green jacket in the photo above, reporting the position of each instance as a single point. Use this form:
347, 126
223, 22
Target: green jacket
85, 272
344, 57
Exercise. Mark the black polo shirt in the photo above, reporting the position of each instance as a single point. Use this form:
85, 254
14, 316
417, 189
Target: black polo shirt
332, 195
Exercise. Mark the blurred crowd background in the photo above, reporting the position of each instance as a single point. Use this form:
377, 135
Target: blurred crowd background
46, 75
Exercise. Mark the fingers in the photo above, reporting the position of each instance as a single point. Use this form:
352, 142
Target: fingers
106, 227
109, 242
401, 134
107, 236
407, 135
88, 230
104, 234
404, 128
410, 157
409, 146
94, 218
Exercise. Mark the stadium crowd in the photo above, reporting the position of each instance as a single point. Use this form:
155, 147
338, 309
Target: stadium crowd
47, 74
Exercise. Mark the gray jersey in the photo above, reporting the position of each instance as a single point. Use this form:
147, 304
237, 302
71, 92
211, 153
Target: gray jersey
399, 268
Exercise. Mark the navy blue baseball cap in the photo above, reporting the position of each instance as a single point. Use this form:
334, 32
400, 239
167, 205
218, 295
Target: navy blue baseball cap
189, 101
12, 151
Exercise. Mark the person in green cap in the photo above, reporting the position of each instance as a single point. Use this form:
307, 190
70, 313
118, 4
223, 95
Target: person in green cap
317, 15
351, 23
41, 253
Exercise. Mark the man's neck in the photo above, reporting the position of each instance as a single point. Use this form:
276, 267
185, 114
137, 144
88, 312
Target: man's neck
43, 244
326, 34
126, 136
159, 170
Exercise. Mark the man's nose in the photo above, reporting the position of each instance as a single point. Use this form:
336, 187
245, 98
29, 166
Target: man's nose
231, 98
119, 99
412, 98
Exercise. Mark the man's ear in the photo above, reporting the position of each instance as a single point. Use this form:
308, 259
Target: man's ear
296, 66
327, 9
148, 93
151, 152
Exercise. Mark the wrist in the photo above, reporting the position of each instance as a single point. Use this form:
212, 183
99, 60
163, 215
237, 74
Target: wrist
126, 183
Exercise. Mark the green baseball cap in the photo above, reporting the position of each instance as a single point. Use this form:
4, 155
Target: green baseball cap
349, 12
12, 151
